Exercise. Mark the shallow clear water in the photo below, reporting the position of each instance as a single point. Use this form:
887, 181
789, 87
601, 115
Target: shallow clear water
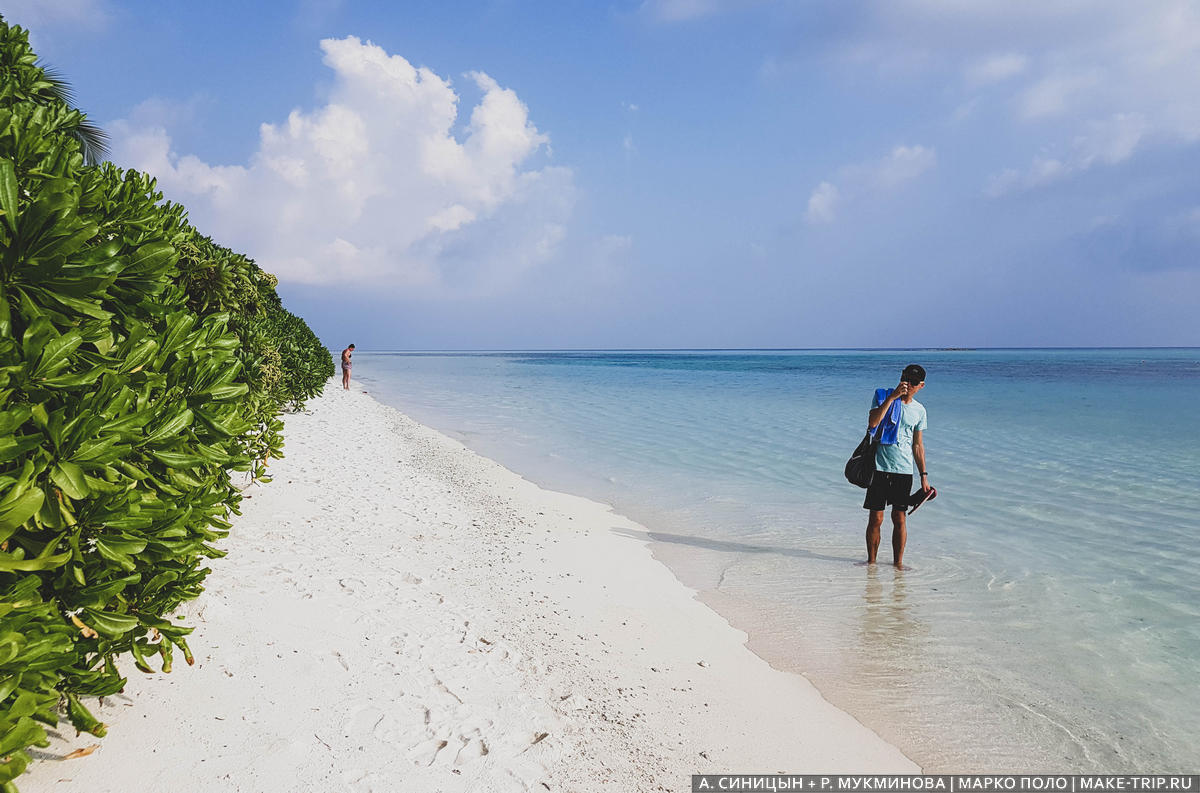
1050, 620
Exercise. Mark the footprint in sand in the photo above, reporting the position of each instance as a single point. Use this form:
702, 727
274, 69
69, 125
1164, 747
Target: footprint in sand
426, 752
474, 748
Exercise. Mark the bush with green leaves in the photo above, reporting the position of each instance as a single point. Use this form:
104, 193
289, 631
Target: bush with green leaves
141, 366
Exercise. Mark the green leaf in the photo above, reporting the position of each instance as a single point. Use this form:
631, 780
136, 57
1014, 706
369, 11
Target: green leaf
73, 380
11, 767
139, 657
82, 718
24, 705
164, 649
103, 450
70, 478
10, 563
98, 485
152, 256
228, 391
172, 426
109, 624
178, 326
178, 459
8, 685
182, 644
89, 307
14, 513
140, 356
14, 446
127, 423
55, 353
8, 193
24, 733
124, 543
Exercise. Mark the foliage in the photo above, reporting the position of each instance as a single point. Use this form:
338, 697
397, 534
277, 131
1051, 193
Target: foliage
140, 364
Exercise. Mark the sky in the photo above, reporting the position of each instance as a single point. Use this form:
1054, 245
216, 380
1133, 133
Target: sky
672, 173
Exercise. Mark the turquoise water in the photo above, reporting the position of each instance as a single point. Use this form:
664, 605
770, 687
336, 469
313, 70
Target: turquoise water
1050, 620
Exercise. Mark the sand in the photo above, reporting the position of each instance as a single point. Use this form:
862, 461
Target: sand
397, 613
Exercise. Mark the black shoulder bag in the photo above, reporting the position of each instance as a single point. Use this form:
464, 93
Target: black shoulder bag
860, 468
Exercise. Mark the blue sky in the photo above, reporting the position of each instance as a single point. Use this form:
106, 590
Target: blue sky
673, 173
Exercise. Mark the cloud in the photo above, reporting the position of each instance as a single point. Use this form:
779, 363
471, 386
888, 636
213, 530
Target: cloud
996, 68
901, 165
380, 185
1110, 141
1050, 71
822, 204
1053, 94
1107, 142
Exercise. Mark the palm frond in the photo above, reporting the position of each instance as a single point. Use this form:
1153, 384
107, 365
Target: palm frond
59, 87
92, 140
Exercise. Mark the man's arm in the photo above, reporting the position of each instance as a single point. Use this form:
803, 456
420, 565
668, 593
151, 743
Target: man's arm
876, 415
919, 456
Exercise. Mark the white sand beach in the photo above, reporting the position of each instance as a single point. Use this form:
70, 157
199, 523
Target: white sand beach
397, 613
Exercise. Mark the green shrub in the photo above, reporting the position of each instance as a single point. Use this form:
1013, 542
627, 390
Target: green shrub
140, 364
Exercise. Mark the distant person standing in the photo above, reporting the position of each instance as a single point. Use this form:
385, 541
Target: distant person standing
899, 420
346, 353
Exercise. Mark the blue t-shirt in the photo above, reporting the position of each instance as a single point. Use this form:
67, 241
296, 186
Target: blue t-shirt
897, 458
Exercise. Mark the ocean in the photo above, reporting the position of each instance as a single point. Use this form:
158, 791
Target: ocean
1049, 620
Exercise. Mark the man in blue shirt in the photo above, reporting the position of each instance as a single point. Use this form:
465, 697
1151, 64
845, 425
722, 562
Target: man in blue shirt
893, 480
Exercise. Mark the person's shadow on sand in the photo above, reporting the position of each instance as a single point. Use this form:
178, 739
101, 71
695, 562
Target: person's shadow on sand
729, 547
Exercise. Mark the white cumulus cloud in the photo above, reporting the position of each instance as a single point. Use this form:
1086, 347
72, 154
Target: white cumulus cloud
382, 184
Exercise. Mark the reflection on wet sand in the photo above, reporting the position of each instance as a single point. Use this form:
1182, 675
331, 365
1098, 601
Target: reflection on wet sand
890, 636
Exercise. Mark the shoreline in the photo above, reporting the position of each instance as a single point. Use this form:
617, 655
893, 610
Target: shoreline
397, 610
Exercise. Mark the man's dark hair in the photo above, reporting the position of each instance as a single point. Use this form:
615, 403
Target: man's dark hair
913, 373
352, 347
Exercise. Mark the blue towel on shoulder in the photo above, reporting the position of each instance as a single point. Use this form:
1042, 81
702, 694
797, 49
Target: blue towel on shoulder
889, 426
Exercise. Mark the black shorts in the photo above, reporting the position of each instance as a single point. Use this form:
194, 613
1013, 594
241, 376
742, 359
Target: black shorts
888, 488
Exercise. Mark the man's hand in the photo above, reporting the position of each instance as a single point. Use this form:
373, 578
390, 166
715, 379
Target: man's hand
876, 414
